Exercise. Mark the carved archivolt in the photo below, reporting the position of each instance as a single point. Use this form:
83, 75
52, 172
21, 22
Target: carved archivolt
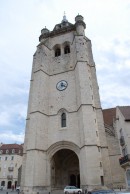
62, 145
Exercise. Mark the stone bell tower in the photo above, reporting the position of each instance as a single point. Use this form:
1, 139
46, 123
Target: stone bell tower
65, 141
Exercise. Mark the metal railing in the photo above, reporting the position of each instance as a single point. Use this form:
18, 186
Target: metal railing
10, 168
9, 176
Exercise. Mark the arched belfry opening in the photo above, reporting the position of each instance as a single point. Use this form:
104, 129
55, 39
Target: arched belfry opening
64, 169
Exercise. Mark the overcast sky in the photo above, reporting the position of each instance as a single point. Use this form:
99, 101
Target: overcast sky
21, 21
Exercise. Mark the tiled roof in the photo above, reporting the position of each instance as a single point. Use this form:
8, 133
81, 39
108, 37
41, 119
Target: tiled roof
17, 149
6, 146
109, 115
125, 110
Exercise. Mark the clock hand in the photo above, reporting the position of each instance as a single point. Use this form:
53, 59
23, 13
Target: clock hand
63, 84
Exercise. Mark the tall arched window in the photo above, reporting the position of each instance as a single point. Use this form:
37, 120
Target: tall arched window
66, 49
57, 52
63, 120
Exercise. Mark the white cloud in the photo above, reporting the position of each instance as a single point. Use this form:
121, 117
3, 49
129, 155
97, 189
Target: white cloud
21, 23
10, 115
4, 118
113, 70
12, 137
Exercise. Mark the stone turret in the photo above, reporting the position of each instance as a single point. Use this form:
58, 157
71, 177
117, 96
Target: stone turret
44, 30
80, 25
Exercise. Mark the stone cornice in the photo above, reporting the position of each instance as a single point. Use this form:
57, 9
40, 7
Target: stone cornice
90, 65
89, 145
58, 32
97, 108
86, 145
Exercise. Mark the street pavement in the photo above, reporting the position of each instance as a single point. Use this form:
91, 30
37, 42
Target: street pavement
9, 191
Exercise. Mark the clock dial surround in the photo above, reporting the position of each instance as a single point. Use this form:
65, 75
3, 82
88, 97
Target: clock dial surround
61, 85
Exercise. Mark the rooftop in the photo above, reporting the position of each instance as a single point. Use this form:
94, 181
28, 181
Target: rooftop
125, 110
109, 115
11, 149
62, 27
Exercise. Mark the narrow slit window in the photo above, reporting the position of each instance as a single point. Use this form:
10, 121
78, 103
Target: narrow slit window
102, 180
63, 120
67, 49
57, 52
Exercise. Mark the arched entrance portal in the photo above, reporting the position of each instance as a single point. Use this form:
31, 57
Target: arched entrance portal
64, 169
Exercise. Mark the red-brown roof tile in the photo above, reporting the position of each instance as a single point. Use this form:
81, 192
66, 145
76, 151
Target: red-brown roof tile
109, 115
18, 148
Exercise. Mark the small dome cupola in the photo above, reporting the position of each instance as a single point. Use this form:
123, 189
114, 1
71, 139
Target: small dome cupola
64, 18
44, 30
79, 18
44, 34
80, 25
63, 25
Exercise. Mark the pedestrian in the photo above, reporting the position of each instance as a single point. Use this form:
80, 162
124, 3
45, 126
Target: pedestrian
12, 187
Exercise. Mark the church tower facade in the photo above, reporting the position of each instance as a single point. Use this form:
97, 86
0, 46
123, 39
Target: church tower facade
65, 142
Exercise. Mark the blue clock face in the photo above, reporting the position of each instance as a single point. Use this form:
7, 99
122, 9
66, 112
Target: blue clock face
61, 85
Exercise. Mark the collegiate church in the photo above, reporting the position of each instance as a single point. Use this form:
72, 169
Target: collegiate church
66, 142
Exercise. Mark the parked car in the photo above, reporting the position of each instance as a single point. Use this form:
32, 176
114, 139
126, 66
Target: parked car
1, 188
72, 189
123, 192
18, 188
101, 192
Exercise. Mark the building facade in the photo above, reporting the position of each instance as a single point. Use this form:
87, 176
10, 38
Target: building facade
123, 130
117, 173
117, 126
10, 161
65, 140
